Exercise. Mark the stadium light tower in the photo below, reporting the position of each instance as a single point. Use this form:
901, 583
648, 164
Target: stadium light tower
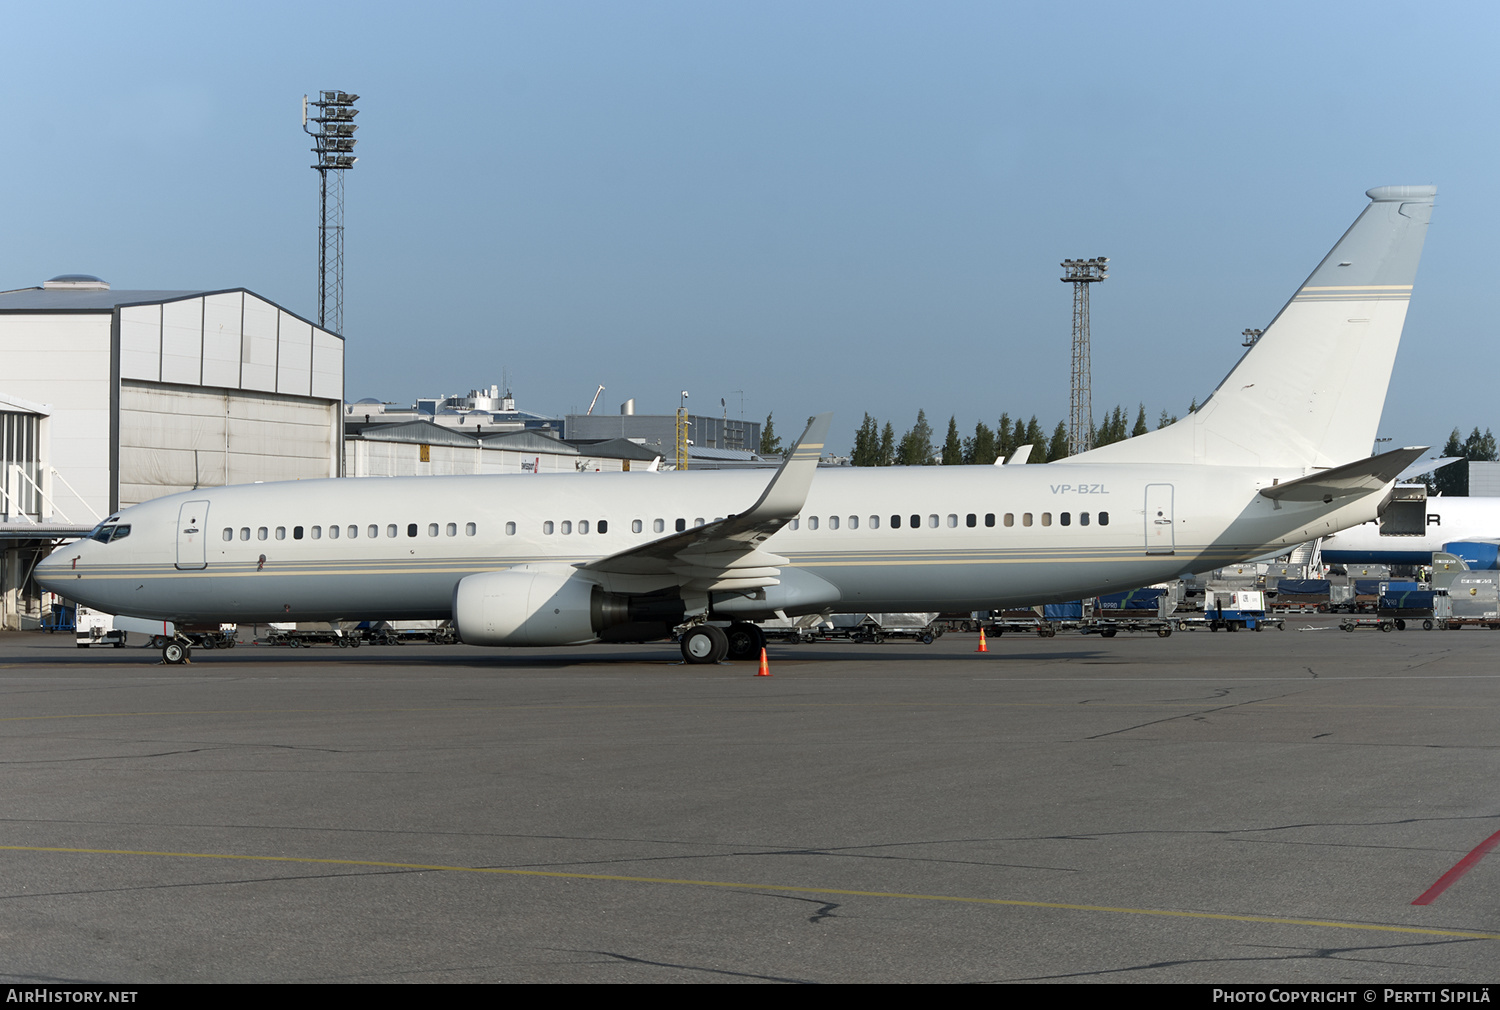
1082, 273
333, 143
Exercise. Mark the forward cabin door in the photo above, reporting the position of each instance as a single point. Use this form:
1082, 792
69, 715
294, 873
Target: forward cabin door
1159, 538
192, 535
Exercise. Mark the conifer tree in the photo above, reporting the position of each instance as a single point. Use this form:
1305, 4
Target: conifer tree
953, 449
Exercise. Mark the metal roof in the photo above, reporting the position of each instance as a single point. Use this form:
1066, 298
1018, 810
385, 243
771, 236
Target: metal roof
43, 300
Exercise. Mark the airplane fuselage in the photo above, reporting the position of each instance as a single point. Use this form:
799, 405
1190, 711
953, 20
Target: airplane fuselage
888, 539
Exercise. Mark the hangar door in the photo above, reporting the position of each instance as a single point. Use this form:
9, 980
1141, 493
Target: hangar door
177, 439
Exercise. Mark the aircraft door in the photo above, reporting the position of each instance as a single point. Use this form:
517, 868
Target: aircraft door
192, 535
1159, 535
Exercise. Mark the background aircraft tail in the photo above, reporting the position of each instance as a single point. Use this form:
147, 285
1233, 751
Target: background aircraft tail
1310, 392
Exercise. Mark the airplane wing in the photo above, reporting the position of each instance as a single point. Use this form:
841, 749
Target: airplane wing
725, 554
1348, 481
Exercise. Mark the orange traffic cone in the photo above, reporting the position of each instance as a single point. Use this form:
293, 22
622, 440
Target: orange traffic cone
765, 669
982, 646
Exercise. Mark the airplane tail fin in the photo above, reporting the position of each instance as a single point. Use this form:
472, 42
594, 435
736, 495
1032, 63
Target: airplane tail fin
1310, 391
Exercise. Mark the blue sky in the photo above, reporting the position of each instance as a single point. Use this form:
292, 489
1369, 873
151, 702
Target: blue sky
807, 206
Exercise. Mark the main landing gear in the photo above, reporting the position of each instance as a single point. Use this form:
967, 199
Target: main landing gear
704, 643
175, 653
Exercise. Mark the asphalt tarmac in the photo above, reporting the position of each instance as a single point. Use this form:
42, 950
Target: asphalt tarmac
1204, 808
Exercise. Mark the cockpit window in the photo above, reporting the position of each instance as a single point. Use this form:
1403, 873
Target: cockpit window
106, 532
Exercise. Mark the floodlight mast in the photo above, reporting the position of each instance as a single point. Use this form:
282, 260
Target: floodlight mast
1082, 273
333, 143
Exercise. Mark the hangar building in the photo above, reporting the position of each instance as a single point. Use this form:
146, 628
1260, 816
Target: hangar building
111, 398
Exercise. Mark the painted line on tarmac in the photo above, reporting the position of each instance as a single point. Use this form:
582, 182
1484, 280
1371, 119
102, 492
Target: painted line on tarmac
949, 898
1461, 867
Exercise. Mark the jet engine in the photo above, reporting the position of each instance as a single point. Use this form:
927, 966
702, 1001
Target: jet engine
533, 605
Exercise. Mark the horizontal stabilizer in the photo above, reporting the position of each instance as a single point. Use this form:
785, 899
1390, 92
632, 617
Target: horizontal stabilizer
1422, 466
1351, 480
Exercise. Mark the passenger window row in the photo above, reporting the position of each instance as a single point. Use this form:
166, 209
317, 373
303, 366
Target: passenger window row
351, 532
935, 521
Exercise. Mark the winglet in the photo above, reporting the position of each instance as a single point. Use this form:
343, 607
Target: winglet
787, 491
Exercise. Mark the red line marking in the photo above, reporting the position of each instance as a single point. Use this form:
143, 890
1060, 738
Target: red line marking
1461, 867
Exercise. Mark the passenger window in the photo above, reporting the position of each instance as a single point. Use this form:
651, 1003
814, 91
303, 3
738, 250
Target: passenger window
916, 521
583, 526
333, 533
971, 520
372, 532
1010, 518
854, 522
281, 533
353, 532
603, 526
567, 527
432, 529
262, 533
989, 518
228, 533
411, 529
1046, 518
874, 522
1103, 518
796, 523
296, 532
470, 529
451, 529
953, 521
636, 526
1083, 519
510, 529
1066, 518
698, 521
833, 522
317, 533
658, 525
895, 522
1025, 518
932, 522
547, 526
681, 525
390, 530
812, 522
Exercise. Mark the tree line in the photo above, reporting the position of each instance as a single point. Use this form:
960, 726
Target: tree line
1453, 479
876, 444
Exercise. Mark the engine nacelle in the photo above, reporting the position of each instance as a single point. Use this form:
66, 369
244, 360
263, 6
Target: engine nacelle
551, 605
526, 605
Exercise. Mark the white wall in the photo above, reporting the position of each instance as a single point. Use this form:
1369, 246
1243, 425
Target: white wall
62, 360
403, 459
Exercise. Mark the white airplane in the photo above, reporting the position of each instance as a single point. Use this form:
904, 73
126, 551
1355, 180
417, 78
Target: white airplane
1449, 520
1277, 456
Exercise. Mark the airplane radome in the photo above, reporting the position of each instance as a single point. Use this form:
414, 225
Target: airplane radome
1277, 456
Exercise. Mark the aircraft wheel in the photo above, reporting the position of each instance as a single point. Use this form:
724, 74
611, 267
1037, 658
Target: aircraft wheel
174, 653
1387, 626
745, 640
1426, 625
1163, 632
704, 644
